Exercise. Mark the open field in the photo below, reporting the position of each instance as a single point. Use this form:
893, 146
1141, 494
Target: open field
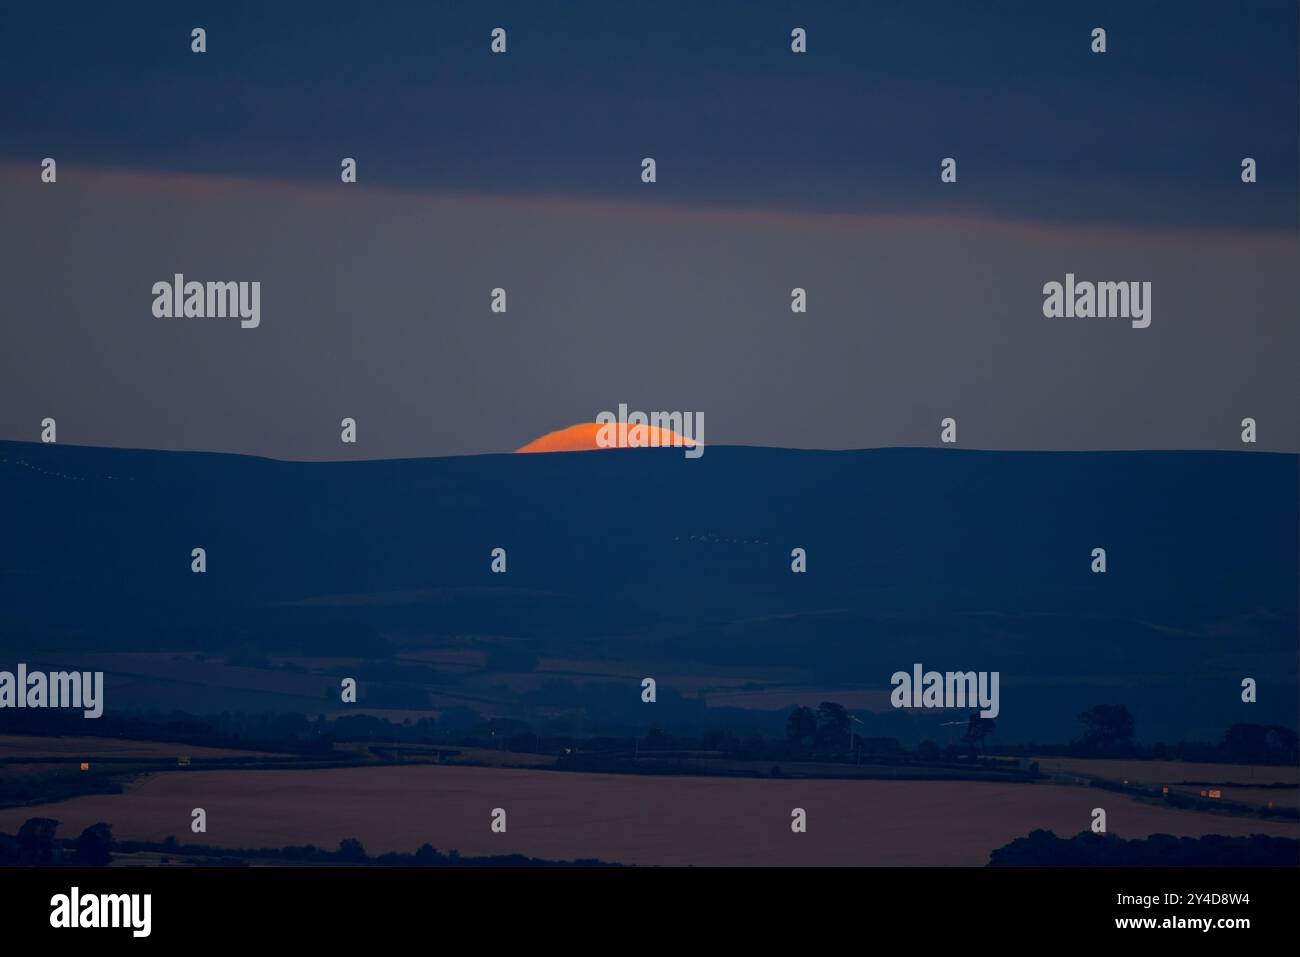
1256, 797
16, 747
1156, 773
635, 819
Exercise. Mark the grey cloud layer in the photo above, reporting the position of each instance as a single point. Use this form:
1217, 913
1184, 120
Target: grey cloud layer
375, 305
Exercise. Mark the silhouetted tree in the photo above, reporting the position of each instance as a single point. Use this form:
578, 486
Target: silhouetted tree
94, 846
1044, 849
351, 850
1246, 742
36, 841
1260, 744
832, 727
427, 856
977, 729
1107, 728
880, 747
1283, 745
801, 727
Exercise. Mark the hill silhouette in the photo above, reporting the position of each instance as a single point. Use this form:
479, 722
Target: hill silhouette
669, 566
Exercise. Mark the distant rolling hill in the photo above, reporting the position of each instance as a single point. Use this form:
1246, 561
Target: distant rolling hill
669, 566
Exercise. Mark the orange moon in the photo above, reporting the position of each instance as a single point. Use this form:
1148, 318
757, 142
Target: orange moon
582, 438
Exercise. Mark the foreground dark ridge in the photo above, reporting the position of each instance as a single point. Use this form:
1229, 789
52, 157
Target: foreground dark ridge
661, 565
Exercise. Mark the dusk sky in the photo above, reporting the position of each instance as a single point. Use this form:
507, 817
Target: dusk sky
775, 170
980, 321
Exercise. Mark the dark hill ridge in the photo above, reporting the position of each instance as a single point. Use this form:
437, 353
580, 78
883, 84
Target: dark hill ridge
954, 558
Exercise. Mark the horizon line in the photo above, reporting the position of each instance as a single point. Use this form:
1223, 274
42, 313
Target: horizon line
514, 454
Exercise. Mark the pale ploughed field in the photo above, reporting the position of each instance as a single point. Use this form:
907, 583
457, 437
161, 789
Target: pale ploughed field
632, 819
